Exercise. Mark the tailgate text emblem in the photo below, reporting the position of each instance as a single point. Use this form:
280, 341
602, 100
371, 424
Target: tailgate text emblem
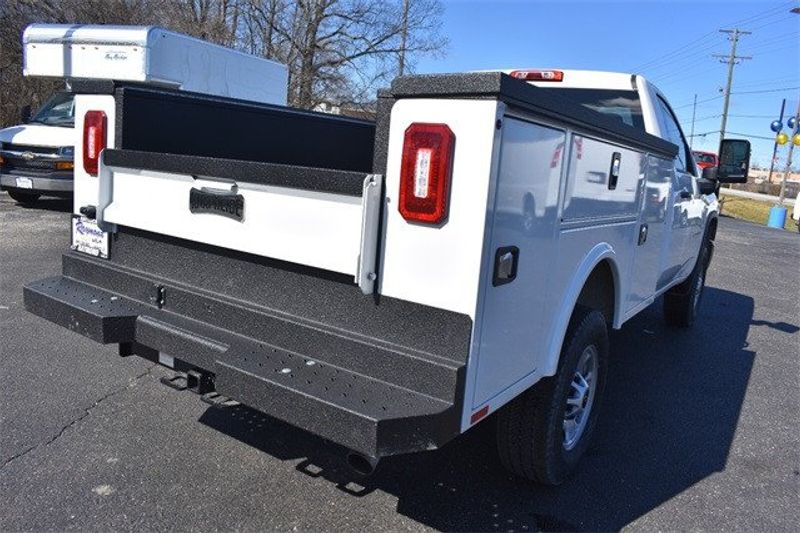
217, 202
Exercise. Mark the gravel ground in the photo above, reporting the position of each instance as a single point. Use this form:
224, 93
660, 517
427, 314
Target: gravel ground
699, 431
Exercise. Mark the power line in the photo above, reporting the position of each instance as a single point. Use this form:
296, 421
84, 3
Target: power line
700, 102
752, 136
762, 83
692, 50
704, 133
767, 90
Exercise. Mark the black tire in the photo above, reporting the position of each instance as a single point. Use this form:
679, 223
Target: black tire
23, 197
682, 301
530, 429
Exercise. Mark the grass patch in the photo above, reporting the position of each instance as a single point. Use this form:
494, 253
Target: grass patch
752, 210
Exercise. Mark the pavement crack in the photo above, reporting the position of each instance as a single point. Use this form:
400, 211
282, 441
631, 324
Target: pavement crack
86, 412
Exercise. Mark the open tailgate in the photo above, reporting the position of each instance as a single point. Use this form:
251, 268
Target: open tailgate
321, 218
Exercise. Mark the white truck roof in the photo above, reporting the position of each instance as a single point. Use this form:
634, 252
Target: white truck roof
579, 79
149, 54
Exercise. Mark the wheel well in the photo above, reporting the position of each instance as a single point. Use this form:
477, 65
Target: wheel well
598, 291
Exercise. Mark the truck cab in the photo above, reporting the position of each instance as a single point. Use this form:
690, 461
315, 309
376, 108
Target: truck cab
36, 157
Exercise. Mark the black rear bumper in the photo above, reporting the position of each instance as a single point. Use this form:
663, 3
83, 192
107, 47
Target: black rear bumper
360, 380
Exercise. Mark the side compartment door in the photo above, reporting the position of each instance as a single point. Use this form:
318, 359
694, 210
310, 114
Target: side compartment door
516, 315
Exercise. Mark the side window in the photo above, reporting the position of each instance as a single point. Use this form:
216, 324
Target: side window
673, 134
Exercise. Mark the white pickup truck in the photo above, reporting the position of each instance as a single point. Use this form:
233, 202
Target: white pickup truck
390, 285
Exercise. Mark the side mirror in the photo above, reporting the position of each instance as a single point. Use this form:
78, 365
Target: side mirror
734, 161
706, 185
25, 114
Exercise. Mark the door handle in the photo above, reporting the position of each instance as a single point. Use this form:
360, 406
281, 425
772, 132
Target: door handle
613, 172
685, 195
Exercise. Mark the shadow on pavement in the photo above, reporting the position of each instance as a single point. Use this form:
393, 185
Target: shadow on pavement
672, 407
63, 205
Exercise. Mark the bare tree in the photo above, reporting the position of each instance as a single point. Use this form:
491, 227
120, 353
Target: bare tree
338, 51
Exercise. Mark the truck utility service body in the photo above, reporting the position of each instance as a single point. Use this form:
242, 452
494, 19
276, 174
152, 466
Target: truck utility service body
386, 285
38, 155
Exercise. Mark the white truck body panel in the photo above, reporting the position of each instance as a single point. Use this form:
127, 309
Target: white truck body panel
152, 55
440, 266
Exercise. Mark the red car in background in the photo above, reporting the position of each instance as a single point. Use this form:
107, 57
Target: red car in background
705, 159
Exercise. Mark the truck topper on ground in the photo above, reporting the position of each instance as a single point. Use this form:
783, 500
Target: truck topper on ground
36, 156
389, 285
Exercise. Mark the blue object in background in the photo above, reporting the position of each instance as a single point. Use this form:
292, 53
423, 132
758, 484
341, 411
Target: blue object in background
790, 123
777, 217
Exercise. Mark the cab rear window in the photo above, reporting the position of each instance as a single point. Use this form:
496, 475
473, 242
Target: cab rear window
624, 105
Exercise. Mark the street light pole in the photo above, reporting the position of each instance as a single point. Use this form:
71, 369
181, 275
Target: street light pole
731, 60
775, 148
789, 156
694, 110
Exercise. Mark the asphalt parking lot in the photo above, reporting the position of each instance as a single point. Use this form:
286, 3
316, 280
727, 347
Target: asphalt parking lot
699, 431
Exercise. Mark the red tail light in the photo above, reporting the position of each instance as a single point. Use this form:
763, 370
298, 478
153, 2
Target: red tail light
538, 75
425, 172
94, 140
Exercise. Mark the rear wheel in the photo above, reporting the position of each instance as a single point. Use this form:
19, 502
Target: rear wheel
682, 302
543, 433
23, 197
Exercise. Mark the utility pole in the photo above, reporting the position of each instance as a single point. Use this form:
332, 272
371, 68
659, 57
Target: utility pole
789, 155
731, 60
775, 148
403, 38
694, 110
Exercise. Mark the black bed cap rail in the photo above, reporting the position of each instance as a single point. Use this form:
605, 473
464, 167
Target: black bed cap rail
323, 180
544, 102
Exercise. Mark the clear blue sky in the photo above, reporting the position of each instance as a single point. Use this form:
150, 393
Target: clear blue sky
669, 41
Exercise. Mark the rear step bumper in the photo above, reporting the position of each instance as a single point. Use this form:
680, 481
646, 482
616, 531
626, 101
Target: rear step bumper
374, 416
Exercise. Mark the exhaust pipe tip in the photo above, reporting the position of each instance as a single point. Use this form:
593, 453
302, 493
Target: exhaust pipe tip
362, 464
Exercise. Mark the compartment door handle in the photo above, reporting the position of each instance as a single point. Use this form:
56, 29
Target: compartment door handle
506, 261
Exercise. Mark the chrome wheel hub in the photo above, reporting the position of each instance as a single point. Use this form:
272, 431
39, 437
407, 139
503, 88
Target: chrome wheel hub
581, 397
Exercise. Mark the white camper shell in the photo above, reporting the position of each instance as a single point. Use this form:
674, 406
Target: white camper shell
152, 55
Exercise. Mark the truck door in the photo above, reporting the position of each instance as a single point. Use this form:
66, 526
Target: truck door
683, 217
656, 195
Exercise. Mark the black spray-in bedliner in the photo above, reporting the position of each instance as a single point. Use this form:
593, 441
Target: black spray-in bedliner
175, 122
